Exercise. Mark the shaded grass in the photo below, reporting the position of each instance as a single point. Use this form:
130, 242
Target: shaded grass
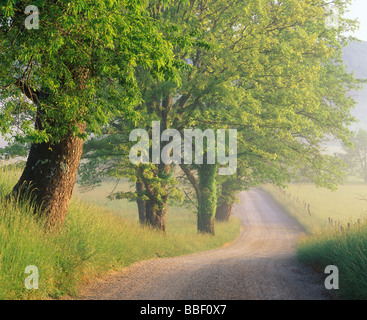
93, 241
345, 249
343, 245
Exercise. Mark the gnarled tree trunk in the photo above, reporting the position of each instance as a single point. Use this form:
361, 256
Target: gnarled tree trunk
49, 177
51, 168
157, 203
157, 192
156, 215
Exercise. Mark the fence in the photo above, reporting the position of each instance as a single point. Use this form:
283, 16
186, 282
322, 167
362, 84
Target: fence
305, 205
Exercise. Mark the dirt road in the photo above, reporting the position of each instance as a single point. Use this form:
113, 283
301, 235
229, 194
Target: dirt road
260, 264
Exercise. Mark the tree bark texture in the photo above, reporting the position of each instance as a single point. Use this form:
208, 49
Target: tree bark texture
207, 199
49, 177
223, 212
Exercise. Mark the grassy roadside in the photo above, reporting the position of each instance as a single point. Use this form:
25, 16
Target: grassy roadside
94, 241
343, 244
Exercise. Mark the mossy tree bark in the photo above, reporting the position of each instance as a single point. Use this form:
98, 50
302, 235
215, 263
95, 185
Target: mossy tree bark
225, 200
207, 200
157, 203
157, 181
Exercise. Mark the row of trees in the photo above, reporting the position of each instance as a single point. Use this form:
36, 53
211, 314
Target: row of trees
270, 69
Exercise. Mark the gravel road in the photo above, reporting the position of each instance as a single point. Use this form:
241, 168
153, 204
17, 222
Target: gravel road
259, 265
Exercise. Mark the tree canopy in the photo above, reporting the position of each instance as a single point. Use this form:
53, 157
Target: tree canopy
270, 69
273, 71
78, 66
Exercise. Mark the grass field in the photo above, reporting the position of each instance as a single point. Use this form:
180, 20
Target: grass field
180, 220
93, 241
341, 241
347, 204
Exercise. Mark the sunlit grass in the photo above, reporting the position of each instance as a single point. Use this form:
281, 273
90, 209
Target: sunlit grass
345, 205
93, 241
343, 242
180, 220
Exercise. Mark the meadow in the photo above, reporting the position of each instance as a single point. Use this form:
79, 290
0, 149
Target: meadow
98, 237
336, 226
347, 204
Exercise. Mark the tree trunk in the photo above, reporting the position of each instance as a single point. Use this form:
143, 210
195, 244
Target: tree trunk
157, 205
49, 177
226, 200
157, 189
141, 203
156, 214
223, 212
207, 199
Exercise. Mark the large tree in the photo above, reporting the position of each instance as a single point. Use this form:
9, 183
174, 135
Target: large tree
107, 156
76, 71
274, 72
270, 69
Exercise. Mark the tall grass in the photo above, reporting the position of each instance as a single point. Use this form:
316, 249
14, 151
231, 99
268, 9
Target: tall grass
345, 249
343, 245
93, 241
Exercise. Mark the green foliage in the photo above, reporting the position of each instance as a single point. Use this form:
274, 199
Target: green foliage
79, 66
108, 156
285, 102
228, 189
272, 70
14, 150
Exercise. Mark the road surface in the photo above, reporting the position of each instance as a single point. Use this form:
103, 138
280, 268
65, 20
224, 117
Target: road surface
259, 265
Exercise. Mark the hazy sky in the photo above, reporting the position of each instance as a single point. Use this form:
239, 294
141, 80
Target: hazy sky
358, 10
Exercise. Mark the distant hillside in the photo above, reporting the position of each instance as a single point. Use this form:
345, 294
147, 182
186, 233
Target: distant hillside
355, 57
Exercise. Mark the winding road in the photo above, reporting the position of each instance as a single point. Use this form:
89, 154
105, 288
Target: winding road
260, 265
